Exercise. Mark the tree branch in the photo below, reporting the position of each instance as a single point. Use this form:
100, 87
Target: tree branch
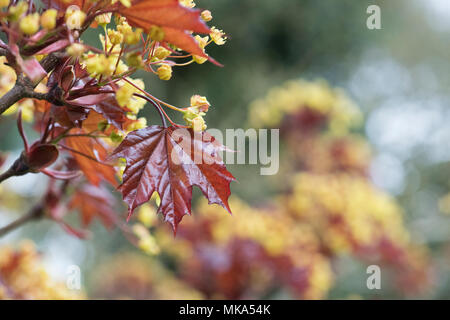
7, 174
35, 213
18, 168
24, 88
12, 96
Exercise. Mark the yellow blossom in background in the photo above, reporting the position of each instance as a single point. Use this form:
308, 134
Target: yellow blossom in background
294, 96
4, 3
146, 241
24, 276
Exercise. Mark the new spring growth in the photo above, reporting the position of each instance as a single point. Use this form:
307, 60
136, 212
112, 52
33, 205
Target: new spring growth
194, 114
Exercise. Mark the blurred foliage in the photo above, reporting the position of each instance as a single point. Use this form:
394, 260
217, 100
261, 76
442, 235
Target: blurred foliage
312, 230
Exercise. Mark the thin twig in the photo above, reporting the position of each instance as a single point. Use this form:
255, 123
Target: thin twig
35, 213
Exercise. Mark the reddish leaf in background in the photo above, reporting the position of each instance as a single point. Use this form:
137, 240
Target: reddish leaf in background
164, 160
92, 201
174, 19
90, 155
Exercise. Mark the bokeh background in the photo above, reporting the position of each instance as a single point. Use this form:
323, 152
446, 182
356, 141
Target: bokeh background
364, 166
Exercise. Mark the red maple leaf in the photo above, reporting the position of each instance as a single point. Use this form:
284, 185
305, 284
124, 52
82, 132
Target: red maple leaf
92, 201
175, 20
171, 161
90, 155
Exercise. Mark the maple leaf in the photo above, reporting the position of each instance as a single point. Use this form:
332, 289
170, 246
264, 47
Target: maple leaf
92, 201
90, 155
175, 20
165, 160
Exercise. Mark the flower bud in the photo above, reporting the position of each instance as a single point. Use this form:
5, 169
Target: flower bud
164, 72
198, 124
48, 19
200, 102
15, 12
134, 60
103, 19
75, 50
41, 156
30, 24
161, 53
206, 15
156, 33
115, 37
199, 59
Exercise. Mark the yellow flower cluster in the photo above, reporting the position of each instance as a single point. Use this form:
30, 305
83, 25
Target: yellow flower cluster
194, 114
24, 277
29, 24
347, 210
148, 280
317, 95
277, 232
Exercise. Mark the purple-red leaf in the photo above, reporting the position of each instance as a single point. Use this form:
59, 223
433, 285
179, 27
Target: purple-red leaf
170, 161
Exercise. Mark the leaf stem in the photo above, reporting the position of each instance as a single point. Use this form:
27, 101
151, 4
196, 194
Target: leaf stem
160, 111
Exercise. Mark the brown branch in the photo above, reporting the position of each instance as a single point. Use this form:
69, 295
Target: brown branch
18, 168
12, 96
24, 88
7, 174
35, 213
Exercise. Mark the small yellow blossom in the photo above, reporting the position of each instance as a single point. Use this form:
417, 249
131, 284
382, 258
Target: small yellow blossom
103, 19
124, 95
75, 50
161, 53
202, 41
164, 72
126, 3
134, 60
200, 102
217, 36
115, 37
30, 24
75, 18
15, 12
146, 242
147, 215
4, 3
156, 33
206, 15
133, 37
187, 3
140, 123
48, 19
198, 124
